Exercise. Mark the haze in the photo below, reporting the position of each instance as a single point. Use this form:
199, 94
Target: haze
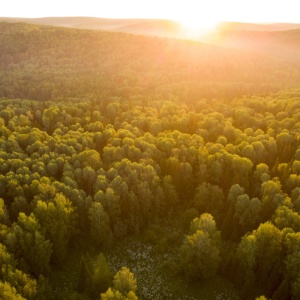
193, 14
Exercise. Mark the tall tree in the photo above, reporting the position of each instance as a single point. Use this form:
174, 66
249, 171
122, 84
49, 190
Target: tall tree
58, 221
99, 225
200, 251
28, 244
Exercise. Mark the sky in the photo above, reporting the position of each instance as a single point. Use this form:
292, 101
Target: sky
193, 13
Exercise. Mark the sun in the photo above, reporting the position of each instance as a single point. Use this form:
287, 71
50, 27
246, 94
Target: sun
197, 26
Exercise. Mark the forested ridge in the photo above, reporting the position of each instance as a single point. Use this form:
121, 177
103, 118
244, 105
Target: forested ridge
125, 158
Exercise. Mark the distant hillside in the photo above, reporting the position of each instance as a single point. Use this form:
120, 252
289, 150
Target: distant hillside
152, 27
279, 43
45, 62
161, 28
227, 34
230, 26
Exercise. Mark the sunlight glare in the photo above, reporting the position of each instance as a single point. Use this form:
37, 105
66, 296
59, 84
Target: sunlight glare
197, 26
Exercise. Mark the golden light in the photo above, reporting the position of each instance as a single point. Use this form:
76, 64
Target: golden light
197, 26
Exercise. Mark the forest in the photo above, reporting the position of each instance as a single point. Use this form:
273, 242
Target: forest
136, 167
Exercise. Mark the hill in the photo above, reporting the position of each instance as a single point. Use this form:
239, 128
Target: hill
278, 39
36, 60
232, 26
249, 38
152, 27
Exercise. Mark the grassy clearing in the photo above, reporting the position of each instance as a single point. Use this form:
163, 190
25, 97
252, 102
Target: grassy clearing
153, 268
156, 280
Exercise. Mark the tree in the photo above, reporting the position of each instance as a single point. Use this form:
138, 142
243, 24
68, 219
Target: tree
20, 204
296, 167
296, 288
295, 196
99, 224
235, 191
260, 255
8, 292
230, 225
100, 276
124, 281
260, 175
3, 212
189, 216
269, 252
241, 167
170, 194
207, 224
292, 262
22, 282
246, 252
200, 251
28, 244
271, 198
112, 294
292, 182
124, 286
94, 275
247, 211
111, 204
285, 217
58, 222
200, 257
209, 198
285, 142
88, 177
84, 272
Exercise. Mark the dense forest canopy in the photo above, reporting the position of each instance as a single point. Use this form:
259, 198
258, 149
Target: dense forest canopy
191, 149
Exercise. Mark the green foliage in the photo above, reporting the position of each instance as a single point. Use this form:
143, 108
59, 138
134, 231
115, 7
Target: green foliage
9, 293
124, 286
292, 244
99, 224
189, 216
247, 211
29, 246
126, 132
116, 295
94, 276
207, 224
209, 198
124, 281
260, 255
200, 258
201, 250
101, 275
22, 283
3, 212
58, 221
